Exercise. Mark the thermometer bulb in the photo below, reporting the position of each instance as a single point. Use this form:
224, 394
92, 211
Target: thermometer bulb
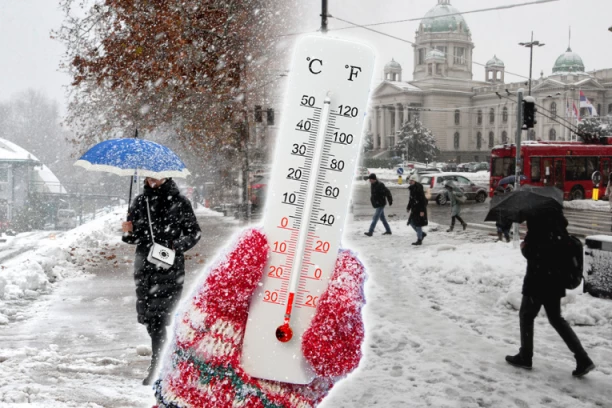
284, 333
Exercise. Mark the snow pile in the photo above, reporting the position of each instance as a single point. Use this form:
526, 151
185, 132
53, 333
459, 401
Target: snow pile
601, 206
390, 176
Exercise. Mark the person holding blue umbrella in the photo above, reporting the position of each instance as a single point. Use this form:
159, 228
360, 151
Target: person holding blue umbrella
162, 225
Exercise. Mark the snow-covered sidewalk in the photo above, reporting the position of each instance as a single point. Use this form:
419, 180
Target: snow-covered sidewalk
439, 318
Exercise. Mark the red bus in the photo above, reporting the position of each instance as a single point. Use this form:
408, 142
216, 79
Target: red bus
565, 165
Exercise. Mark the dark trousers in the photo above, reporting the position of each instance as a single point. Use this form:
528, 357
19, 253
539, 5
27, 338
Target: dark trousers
379, 214
530, 307
157, 332
456, 217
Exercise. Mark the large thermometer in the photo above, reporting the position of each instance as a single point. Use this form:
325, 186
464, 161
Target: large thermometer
316, 154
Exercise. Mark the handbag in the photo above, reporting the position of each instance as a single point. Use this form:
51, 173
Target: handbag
159, 255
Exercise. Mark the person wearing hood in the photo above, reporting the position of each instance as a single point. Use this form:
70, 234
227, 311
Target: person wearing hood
174, 226
543, 287
417, 207
456, 197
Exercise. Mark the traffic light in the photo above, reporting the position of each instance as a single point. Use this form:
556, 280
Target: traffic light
529, 112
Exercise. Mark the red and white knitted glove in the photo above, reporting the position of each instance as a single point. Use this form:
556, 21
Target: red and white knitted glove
202, 366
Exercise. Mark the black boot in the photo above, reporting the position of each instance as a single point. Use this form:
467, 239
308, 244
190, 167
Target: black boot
464, 225
499, 236
369, 234
150, 372
583, 366
452, 227
419, 242
519, 361
424, 236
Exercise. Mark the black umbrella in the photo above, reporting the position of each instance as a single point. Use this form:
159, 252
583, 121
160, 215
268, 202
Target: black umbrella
528, 202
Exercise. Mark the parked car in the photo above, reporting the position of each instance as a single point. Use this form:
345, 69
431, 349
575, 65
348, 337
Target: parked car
420, 171
434, 184
362, 173
476, 167
449, 167
66, 219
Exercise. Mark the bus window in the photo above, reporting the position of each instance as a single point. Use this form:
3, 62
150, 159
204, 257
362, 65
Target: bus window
535, 169
559, 181
605, 170
575, 169
503, 167
591, 166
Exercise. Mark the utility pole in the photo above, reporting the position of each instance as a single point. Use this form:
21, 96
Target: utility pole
517, 165
324, 16
530, 45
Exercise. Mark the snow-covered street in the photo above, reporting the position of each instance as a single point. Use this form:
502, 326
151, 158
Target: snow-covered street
439, 320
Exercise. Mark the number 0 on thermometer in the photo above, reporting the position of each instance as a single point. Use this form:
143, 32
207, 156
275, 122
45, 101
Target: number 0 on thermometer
307, 204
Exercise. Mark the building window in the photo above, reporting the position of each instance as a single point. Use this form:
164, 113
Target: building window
479, 141
492, 116
491, 140
531, 135
553, 110
457, 117
4, 174
505, 114
421, 56
480, 117
535, 169
442, 49
504, 137
459, 55
552, 135
610, 109
258, 115
456, 140
599, 112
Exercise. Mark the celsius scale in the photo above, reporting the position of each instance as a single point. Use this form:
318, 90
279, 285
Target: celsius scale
316, 154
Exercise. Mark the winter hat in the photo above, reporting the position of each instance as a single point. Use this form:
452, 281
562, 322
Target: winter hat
372, 177
413, 178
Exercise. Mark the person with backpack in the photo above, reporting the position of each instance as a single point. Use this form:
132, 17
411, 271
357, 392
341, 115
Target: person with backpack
379, 195
549, 251
417, 207
456, 197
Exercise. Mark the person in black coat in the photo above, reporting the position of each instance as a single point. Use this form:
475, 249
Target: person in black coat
417, 207
378, 197
174, 226
542, 287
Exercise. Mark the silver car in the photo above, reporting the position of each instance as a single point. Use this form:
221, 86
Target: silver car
434, 185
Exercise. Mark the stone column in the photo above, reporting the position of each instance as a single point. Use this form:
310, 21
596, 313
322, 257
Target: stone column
384, 131
398, 122
405, 112
376, 132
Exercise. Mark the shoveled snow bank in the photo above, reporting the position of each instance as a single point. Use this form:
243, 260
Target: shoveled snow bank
389, 176
602, 206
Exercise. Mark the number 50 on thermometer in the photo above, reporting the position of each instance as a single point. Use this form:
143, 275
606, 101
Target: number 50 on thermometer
306, 208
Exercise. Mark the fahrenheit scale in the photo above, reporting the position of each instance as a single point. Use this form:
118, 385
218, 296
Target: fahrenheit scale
317, 150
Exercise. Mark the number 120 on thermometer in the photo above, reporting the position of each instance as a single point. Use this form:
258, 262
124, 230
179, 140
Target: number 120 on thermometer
307, 204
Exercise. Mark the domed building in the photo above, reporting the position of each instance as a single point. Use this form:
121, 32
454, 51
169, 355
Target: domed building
465, 114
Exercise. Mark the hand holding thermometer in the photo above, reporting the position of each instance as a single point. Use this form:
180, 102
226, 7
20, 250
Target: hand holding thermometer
316, 155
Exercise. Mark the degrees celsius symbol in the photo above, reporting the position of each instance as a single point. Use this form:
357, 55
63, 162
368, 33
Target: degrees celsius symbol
314, 167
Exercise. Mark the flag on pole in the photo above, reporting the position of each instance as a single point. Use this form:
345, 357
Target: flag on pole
576, 112
585, 103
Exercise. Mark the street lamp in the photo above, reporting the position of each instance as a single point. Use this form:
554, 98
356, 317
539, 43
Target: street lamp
530, 45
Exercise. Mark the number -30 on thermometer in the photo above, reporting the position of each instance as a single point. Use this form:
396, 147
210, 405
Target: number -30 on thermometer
316, 154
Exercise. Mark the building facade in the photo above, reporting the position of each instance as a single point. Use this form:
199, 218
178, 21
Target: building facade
469, 116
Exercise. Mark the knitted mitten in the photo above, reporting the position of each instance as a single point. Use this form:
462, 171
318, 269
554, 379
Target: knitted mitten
202, 366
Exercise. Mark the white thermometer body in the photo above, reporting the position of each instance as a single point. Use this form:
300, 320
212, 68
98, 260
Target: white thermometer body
306, 208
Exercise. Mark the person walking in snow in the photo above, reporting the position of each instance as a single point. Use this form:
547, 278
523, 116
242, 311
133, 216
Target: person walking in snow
417, 207
609, 191
456, 197
174, 226
379, 196
503, 225
543, 287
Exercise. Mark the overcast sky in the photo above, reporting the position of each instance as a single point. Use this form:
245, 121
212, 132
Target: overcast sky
30, 59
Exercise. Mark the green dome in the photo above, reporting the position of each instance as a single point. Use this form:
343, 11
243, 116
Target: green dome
569, 62
438, 20
495, 62
393, 64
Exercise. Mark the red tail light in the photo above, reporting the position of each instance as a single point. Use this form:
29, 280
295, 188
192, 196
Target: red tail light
431, 183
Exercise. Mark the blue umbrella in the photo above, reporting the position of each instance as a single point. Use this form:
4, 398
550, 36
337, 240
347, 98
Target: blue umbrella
125, 157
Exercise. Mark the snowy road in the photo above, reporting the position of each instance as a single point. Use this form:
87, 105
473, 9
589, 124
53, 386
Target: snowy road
582, 222
440, 319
